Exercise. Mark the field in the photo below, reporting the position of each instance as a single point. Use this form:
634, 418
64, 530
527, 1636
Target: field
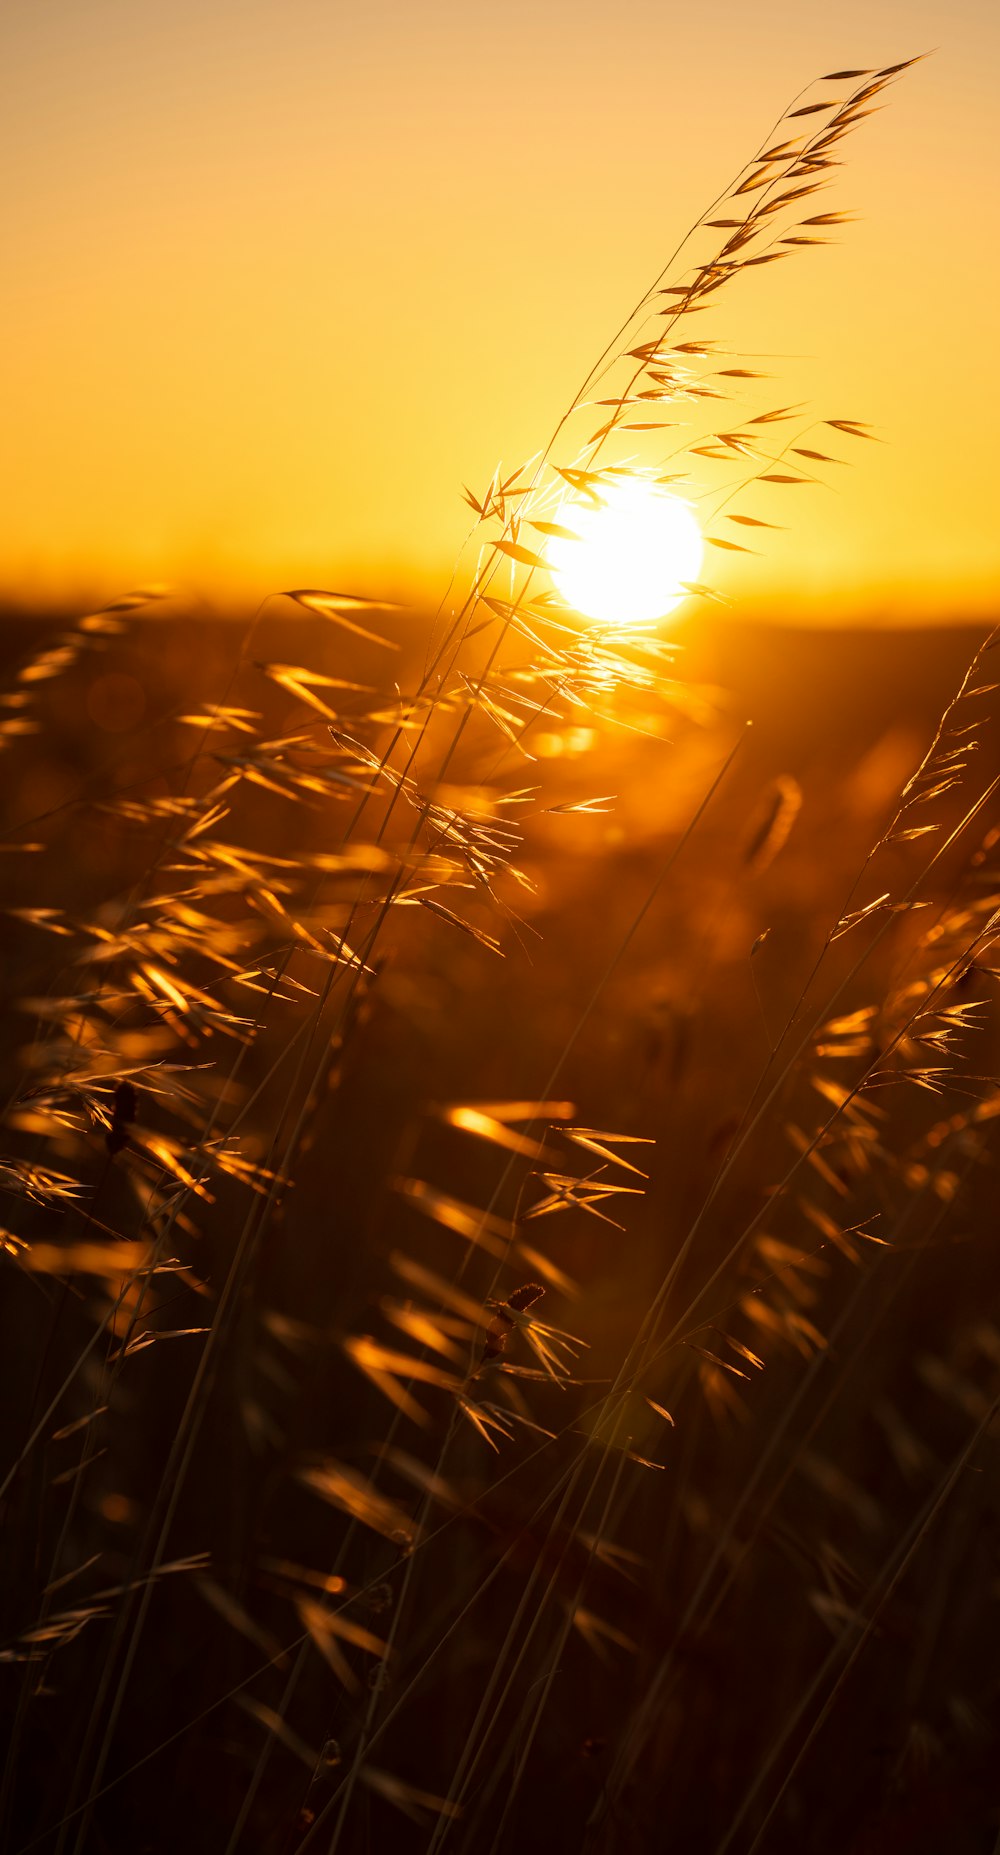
372, 1624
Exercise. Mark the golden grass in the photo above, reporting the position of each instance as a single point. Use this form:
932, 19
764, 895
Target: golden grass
265, 1126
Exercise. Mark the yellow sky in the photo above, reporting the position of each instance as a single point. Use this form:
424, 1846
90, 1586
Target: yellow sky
286, 275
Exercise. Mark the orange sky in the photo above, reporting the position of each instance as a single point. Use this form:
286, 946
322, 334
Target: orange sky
286, 275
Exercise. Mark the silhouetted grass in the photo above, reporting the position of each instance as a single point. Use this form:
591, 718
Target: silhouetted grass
500, 1276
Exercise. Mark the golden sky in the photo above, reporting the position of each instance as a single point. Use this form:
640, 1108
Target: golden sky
287, 274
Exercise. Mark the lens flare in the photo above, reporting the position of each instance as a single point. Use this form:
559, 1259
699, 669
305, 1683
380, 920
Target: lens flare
631, 554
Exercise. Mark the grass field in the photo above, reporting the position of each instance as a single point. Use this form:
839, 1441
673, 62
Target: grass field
712, 1602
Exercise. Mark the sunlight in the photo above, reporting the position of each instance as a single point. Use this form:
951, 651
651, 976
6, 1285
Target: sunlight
631, 554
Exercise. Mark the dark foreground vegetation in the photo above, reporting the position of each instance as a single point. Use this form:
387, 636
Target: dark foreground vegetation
313, 1574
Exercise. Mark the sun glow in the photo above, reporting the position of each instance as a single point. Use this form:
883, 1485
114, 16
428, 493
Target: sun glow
629, 555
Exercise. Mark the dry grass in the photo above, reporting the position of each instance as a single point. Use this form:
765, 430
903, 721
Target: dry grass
499, 1276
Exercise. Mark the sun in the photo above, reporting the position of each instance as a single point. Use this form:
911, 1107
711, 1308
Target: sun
629, 554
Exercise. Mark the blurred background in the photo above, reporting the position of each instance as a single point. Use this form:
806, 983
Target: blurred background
284, 277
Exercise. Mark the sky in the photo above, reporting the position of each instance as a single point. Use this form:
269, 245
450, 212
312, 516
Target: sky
283, 275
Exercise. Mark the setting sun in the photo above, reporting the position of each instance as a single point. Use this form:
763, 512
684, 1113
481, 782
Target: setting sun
631, 554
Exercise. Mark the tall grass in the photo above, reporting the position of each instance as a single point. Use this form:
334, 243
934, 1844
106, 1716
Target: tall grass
346, 1502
